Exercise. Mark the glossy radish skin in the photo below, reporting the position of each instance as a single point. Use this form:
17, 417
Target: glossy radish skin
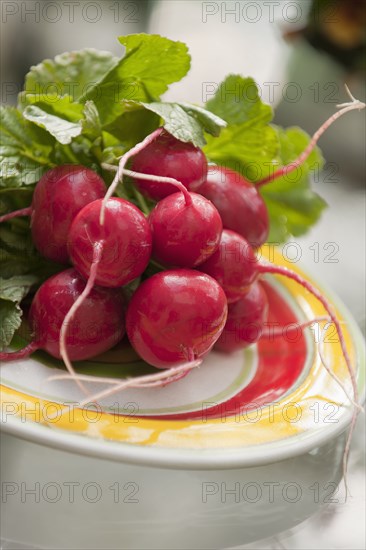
245, 321
176, 316
96, 327
233, 265
184, 234
167, 156
58, 196
127, 242
240, 205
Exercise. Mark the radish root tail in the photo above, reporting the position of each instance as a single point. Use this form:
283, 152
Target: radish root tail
285, 170
159, 379
97, 254
276, 332
266, 267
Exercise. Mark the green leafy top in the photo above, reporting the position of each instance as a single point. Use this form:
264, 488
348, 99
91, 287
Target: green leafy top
184, 121
89, 107
238, 102
293, 206
71, 73
150, 64
12, 291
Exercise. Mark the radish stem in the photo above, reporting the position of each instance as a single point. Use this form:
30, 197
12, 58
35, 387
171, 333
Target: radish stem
20, 354
122, 163
151, 177
22, 212
97, 254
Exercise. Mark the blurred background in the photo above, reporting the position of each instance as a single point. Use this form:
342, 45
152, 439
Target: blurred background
300, 53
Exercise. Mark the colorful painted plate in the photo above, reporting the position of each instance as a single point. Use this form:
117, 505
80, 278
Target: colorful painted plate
269, 402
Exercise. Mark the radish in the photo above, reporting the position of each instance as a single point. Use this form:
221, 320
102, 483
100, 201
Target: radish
96, 327
110, 245
240, 205
176, 316
169, 157
124, 244
233, 265
124, 255
58, 196
245, 321
186, 229
125, 237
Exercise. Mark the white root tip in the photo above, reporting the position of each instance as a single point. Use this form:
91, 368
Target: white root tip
355, 103
322, 338
159, 379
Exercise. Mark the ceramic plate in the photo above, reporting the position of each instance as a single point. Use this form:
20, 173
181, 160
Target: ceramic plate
268, 402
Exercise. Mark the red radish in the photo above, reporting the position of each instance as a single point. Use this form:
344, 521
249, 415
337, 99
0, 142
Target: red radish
158, 180
186, 229
96, 327
126, 241
58, 196
245, 321
233, 265
169, 157
127, 233
176, 316
240, 205
123, 244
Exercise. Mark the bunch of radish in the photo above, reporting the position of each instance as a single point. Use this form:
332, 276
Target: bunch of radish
201, 237
202, 233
